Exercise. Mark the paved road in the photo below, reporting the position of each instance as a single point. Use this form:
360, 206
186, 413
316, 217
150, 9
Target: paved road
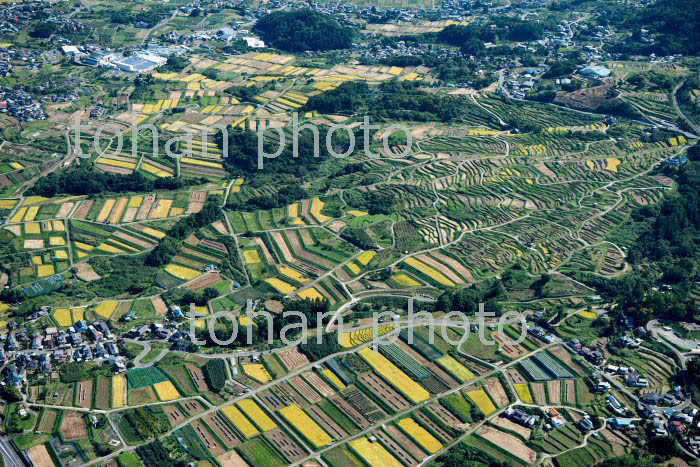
656, 330
9, 454
679, 111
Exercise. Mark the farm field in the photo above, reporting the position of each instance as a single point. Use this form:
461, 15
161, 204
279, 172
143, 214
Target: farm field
533, 160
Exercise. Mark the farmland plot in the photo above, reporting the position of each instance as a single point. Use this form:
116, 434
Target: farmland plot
515, 445
73, 426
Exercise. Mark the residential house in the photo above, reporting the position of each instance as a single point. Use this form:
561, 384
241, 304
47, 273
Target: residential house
622, 423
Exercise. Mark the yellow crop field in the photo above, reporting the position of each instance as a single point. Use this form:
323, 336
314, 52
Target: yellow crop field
38, 260
135, 201
316, 208
258, 415
118, 211
483, 132
176, 212
84, 246
31, 213
258, 372
33, 228
588, 314
456, 368
45, 270
293, 274
613, 164
306, 425
251, 256
153, 232
166, 391
78, 314
106, 309
57, 241
391, 373
63, 317
7, 203
333, 378
58, 226
591, 165
311, 294
118, 391
189, 160
482, 400
161, 209
110, 249
116, 163
374, 454
405, 280
354, 268
242, 423
293, 210
524, 393
366, 257
280, 285
420, 435
29, 200
357, 213
106, 209
360, 336
61, 254
429, 271
395, 70
19, 215
182, 272
158, 172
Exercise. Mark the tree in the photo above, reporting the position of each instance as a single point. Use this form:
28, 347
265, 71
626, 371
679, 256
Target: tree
303, 30
10, 393
43, 30
473, 47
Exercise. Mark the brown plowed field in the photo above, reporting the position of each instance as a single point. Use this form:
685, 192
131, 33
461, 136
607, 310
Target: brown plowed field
512, 443
73, 426
384, 391
496, 391
84, 393
554, 391
208, 439
293, 359
286, 444
538, 394
223, 431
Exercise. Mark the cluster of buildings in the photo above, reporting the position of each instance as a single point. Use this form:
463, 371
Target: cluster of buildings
139, 62
13, 17
520, 417
20, 104
596, 357
80, 343
670, 421
553, 418
541, 334
631, 376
